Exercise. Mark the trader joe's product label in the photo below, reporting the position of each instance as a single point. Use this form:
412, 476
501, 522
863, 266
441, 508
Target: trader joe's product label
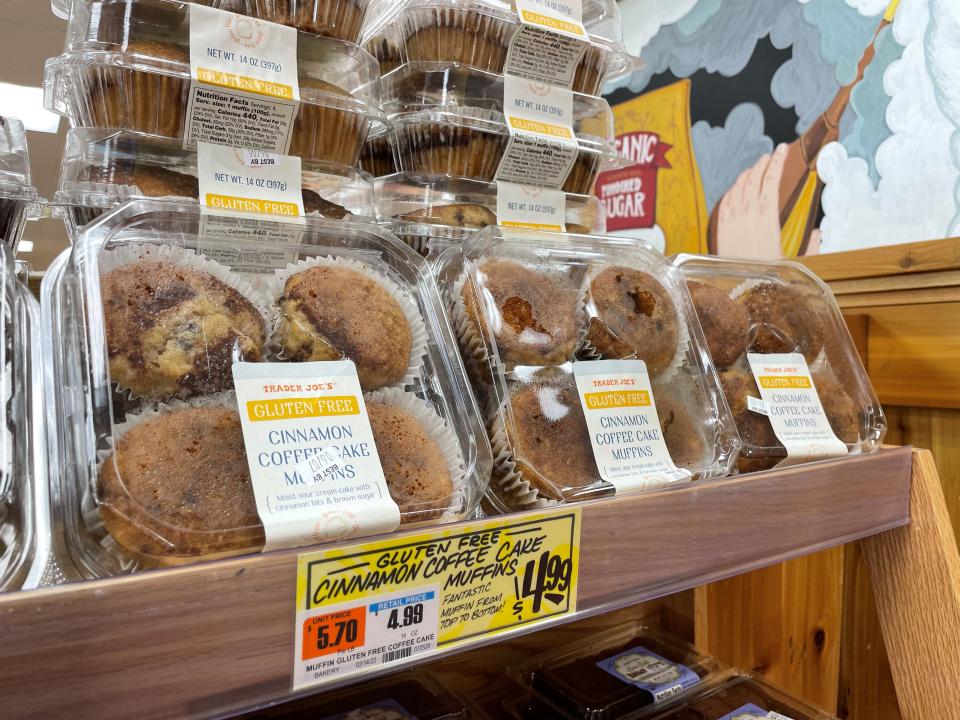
244, 87
550, 42
542, 147
395, 601
648, 671
794, 408
313, 461
624, 427
531, 207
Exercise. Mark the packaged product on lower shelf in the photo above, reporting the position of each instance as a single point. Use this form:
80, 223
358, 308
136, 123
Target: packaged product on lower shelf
431, 215
102, 169
229, 411
628, 672
788, 366
132, 65
587, 360
24, 519
406, 696
743, 696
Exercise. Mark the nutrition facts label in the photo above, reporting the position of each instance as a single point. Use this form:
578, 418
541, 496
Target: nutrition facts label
244, 81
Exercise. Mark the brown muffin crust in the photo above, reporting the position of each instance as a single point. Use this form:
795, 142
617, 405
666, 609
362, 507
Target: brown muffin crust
841, 411
535, 321
784, 321
333, 18
725, 323
413, 465
755, 429
578, 229
332, 313
173, 330
457, 215
632, 315
550, 441
177, 488
681, 434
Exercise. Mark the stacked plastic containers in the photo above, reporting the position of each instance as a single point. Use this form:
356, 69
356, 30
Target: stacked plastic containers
163, 297
463, 83
592, 370
24, 520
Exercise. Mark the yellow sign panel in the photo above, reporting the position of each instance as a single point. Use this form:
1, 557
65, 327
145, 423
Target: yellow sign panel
617, 399
387, 601
266, 207
233, 81
785, 382
305, 407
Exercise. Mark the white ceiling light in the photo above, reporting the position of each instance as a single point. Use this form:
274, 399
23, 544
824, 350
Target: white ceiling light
25, 246
26, 104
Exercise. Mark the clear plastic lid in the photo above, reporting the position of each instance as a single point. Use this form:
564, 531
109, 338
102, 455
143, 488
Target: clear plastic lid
405, 696
528, 306
781, 307
376, 156
479, 33
630, 669
738, 694
448, 86
17, 194
163, 323
104, 168
341, 19
124, 54
17, 468
470, 142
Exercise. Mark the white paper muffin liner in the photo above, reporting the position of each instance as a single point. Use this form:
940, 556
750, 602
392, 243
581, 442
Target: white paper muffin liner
819, 362
511, 488
89, 506
473, 348
445, 438
420, 341
127, 254
587, 351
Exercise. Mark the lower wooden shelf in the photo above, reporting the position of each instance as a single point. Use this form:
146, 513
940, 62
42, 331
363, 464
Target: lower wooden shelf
218, 637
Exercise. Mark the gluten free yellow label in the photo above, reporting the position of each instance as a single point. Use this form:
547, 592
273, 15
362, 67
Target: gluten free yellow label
541, 128
489, 577
234, 81
533, 226
550, 23
617, 399
266, 207
785, 382
306, 407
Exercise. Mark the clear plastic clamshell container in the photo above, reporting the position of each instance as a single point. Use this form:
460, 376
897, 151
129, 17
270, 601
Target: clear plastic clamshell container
18, 197
444, 85
781, 307
341, 19
432, 215
527, 306
127, 66
405, 696
376, 156
739, 695
470, 142
155, 473
24, 521
102, 169
631, 671
479, 33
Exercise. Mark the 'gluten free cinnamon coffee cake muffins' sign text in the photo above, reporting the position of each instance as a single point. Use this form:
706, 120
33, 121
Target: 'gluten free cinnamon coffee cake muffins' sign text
313, 461
244, 87
542, 146
789, 398
625, 432
550, 43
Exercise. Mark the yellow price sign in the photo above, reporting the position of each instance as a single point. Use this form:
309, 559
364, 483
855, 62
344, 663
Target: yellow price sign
386, 601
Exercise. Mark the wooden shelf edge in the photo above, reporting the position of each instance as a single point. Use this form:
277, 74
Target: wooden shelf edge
204, 639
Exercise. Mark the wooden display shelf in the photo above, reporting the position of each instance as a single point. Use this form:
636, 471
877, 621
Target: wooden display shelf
213, 638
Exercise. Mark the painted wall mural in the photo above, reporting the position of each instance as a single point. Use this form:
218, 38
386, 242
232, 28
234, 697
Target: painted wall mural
777, 128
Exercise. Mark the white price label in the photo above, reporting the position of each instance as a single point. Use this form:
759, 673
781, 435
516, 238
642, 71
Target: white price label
313, 461
794, 408
542, 147
532, 207
244, 87
625, 432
